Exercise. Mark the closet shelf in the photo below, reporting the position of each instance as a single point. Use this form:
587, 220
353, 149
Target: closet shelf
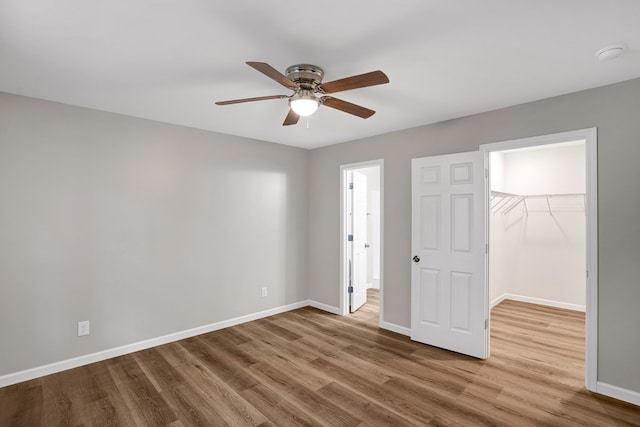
506, 202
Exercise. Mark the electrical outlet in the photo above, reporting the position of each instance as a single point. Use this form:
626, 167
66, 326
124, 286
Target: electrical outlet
83, 328
264, 291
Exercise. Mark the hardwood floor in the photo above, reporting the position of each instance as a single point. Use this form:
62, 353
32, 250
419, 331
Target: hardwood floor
307, 367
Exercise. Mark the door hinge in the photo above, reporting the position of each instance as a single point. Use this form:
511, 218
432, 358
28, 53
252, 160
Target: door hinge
350, 289
486, 323
587, 274
351, 186
350, 238
486, 248
486, 173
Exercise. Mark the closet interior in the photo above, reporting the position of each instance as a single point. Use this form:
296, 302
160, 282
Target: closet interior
537, 225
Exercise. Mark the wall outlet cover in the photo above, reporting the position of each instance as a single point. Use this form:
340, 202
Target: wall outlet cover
83, 328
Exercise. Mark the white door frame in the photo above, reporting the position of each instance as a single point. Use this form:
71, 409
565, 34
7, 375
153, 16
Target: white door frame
344, 272
590, 136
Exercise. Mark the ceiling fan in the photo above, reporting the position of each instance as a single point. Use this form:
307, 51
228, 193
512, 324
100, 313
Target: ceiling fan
309, 91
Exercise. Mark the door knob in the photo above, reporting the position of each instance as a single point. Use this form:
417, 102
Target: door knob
416, 258
366, 245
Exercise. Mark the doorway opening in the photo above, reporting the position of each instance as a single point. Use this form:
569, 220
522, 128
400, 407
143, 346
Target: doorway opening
361, 238
542, 230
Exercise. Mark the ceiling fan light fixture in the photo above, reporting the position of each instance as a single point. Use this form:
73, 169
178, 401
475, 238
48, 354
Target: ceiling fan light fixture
304, 103
309, 91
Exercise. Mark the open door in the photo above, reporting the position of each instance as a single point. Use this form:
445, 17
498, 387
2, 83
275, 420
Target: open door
358, 276
449, 290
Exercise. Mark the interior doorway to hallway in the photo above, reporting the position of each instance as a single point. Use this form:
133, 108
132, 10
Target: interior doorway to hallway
361, 236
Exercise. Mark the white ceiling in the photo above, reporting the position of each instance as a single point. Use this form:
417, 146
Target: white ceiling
169, 60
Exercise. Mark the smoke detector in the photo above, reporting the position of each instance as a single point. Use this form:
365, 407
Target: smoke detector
610, 52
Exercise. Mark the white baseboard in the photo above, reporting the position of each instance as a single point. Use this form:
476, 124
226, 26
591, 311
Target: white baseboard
324, 307
498, 300
395, 328
532, 300
75, 362
618, 393
40, 371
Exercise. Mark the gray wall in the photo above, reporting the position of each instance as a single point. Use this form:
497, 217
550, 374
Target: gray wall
613, 110
143, 228
146, 228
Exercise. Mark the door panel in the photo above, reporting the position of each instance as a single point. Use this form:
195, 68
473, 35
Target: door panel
461, 301
358, 296
430, 283
431, 229
461, 222
448, 285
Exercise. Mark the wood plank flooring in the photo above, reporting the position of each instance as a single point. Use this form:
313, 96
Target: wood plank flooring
310, 368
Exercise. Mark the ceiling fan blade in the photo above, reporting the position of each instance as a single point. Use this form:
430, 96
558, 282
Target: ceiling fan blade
274, 74
347, 107
259, 98
354, 82
291, 119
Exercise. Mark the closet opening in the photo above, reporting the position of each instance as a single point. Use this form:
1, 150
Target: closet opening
361, 239
537, 223
542, 249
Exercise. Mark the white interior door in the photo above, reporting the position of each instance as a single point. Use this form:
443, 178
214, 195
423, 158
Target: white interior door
449, 289
358, 286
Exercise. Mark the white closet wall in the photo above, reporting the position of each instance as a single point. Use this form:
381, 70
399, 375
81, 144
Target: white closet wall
538, 251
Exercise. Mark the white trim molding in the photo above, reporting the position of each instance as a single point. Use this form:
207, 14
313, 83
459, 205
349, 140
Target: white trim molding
63, 365
497, 300
324, 307
540, 301
86, 359
590, 138
402, 330
618, 393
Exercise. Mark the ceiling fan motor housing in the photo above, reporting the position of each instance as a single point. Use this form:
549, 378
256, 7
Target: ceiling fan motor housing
306, 75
